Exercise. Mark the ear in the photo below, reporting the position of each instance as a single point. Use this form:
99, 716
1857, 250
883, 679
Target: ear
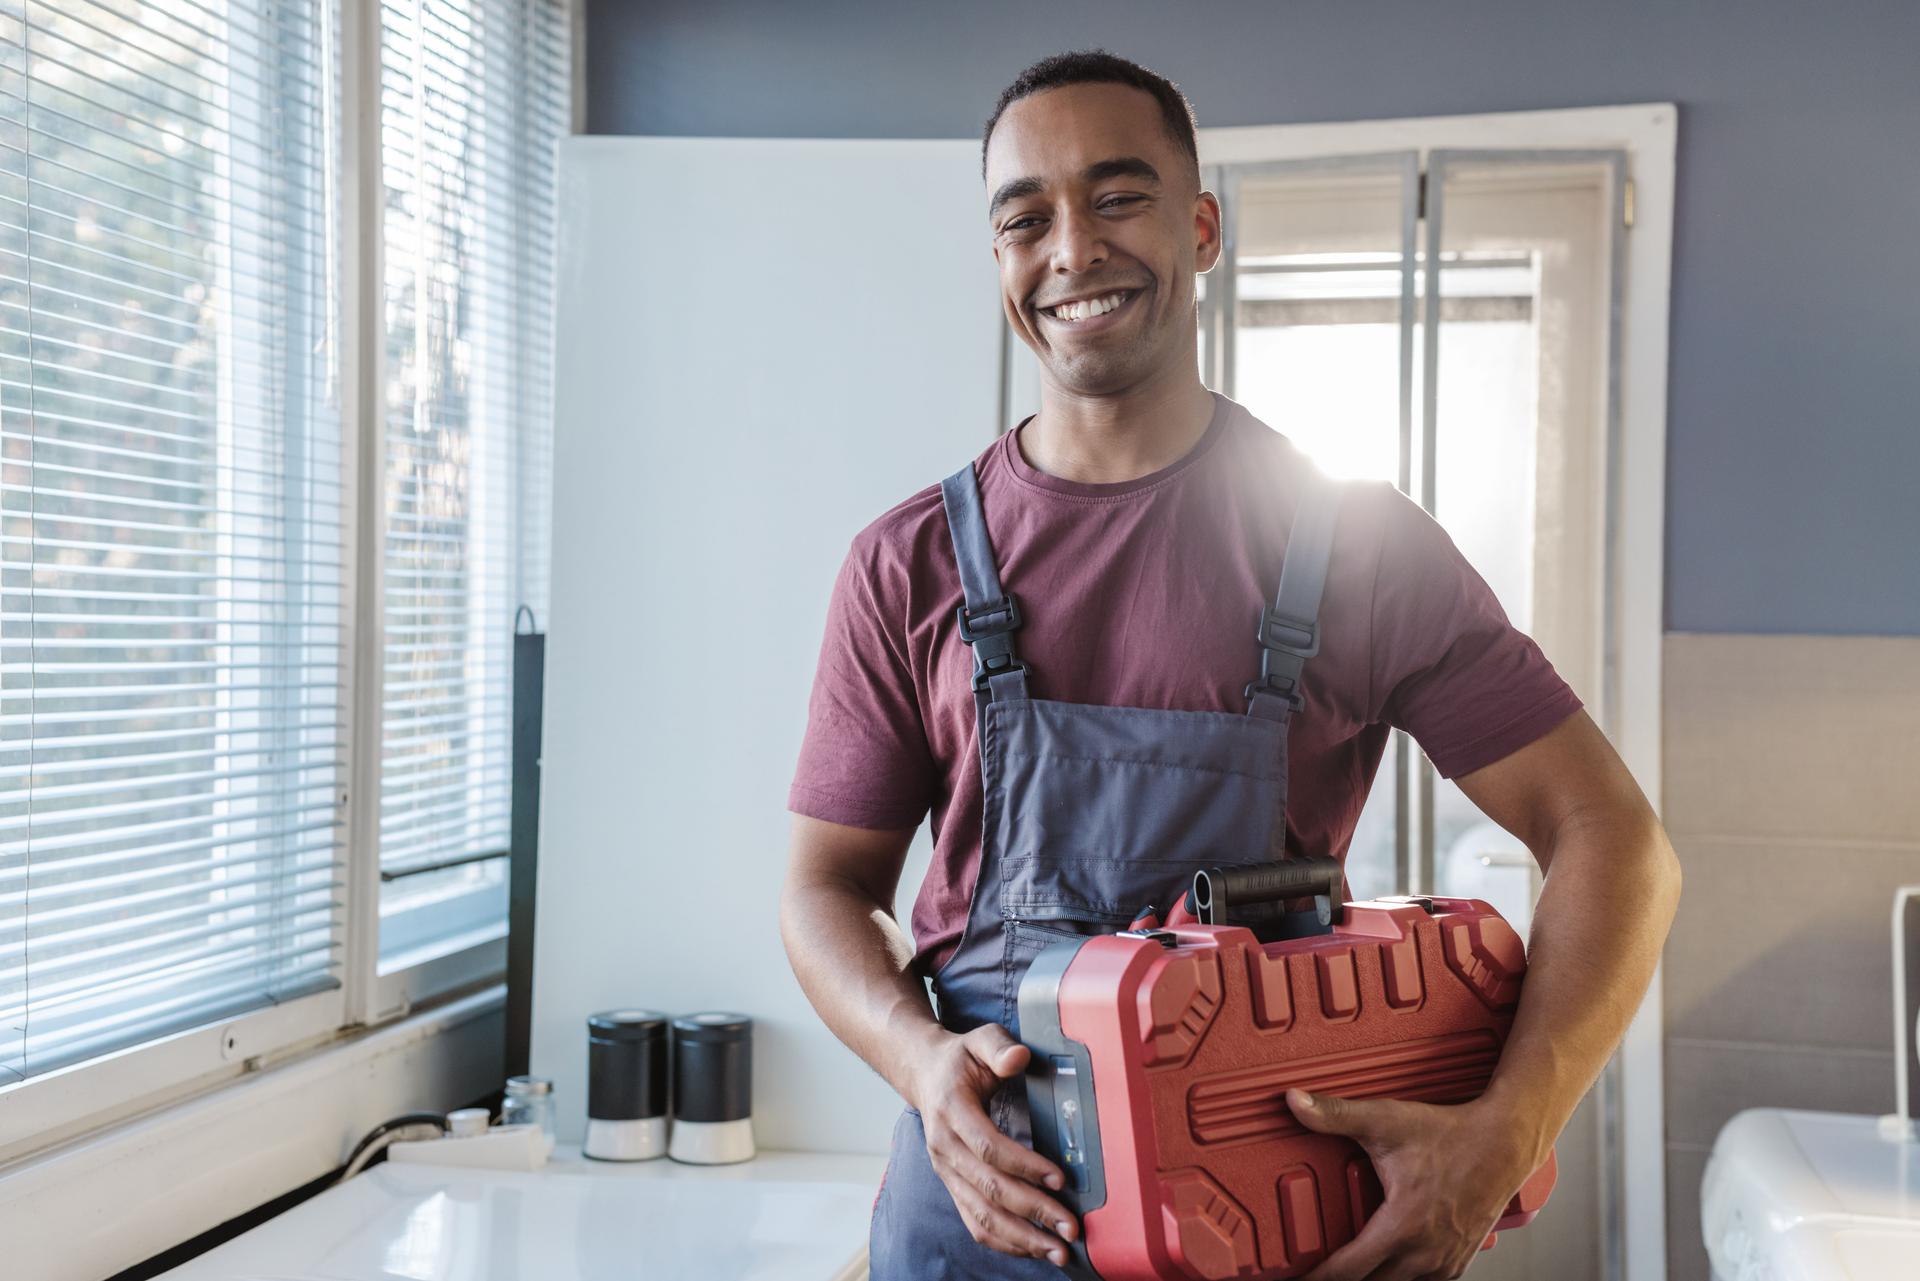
1206, 227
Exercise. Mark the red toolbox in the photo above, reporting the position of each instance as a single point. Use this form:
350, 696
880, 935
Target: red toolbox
1162, 1057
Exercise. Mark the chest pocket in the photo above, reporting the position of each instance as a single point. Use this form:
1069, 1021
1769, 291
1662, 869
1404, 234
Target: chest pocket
1101, 811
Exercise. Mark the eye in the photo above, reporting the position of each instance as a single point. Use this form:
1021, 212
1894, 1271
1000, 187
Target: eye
1019, 223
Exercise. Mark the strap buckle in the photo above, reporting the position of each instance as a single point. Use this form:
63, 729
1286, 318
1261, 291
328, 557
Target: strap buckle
989, 633
990, 625
1280, 687
1285, 646
1289, 635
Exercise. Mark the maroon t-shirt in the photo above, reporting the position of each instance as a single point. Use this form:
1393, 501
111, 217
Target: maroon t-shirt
1146, 593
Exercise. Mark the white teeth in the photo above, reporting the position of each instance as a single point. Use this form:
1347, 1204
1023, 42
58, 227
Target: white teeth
1091, 307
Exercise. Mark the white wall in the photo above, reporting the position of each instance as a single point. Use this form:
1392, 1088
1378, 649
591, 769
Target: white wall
763, 344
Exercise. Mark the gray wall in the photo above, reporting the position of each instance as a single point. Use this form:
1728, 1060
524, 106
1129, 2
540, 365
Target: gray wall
1778, 990
1794, 439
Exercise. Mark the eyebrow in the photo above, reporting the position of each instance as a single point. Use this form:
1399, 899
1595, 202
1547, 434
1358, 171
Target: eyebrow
1098, 171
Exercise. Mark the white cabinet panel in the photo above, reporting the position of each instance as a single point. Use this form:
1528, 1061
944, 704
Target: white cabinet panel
762, 345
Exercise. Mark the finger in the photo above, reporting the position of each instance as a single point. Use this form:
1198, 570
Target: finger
1010, 1189
1002, 1055
995, 1227
989, 1226
1361, 1119
1021, 1199
983, 1140
1362, 1258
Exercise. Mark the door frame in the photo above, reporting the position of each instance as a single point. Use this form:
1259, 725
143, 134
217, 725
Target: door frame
1648, 133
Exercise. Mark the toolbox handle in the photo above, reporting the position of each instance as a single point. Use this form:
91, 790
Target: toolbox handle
1217, 891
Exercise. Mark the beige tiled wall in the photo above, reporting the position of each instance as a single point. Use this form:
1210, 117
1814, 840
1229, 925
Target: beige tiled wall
1792, 793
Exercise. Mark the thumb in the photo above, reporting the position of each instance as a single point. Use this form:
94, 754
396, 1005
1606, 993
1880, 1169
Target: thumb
1002, 1055
1324, 1114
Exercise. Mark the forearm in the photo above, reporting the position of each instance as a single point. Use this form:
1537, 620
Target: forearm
1602, 919
854, 963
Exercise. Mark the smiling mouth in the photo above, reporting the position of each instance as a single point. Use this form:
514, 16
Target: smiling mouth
1093, 309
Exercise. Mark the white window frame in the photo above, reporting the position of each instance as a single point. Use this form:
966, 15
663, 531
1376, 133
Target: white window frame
87, 1098
373, 995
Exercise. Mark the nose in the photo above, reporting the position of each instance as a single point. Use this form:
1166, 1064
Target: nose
1077, 242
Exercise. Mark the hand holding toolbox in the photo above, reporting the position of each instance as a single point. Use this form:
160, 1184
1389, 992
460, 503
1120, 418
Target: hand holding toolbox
1162, 1054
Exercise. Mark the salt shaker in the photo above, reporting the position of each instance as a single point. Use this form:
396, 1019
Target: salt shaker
712, 1088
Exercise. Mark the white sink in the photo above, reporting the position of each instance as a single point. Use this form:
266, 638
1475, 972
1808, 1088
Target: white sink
1811, 1196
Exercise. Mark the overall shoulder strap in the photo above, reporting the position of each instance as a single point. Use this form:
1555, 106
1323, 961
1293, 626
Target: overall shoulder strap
990, 615
1289, 629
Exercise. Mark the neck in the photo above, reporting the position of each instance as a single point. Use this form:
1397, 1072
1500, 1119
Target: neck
1109, 439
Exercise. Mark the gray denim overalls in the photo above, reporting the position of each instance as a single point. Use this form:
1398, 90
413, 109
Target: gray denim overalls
1090, 814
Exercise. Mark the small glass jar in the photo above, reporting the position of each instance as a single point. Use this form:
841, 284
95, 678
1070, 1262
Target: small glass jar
529, 1101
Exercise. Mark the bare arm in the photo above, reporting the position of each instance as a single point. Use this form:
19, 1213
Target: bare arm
854, 963
848, 951
1612, 887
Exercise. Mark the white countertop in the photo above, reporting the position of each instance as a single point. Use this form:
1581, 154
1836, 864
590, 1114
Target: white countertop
786, 1215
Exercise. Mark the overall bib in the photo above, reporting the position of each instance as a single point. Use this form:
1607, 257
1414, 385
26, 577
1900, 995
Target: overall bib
1090, 813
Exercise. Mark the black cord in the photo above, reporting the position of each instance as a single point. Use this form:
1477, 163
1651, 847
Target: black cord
435, 1119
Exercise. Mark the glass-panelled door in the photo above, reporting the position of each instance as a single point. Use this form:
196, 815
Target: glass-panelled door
1518, 415
1452, 331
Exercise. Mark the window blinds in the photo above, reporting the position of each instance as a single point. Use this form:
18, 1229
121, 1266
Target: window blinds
171, 649
474, 97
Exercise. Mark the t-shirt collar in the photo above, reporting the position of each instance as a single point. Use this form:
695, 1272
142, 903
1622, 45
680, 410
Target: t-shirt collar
1025, 473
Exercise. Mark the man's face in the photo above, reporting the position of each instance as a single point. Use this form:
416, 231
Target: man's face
1092, 198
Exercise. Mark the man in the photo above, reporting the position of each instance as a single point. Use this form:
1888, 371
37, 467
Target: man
1051, 651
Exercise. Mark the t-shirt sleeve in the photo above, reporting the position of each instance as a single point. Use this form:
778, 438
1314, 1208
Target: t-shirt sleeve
864, 761
1447, 665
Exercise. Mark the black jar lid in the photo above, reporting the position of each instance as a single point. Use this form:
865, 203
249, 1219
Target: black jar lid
627, 1025
712, 1025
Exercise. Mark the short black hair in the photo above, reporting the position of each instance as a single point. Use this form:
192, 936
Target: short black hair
1098, 66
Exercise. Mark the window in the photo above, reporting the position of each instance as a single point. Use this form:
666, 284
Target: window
185, 588
472, 100
170, 523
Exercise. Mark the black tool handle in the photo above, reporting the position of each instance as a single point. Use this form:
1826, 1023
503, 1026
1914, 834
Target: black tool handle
1218, 891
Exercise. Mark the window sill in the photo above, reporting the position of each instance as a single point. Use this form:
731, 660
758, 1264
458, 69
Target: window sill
178, 1171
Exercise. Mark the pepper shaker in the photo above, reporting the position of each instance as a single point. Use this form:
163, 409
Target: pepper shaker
626, 1086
